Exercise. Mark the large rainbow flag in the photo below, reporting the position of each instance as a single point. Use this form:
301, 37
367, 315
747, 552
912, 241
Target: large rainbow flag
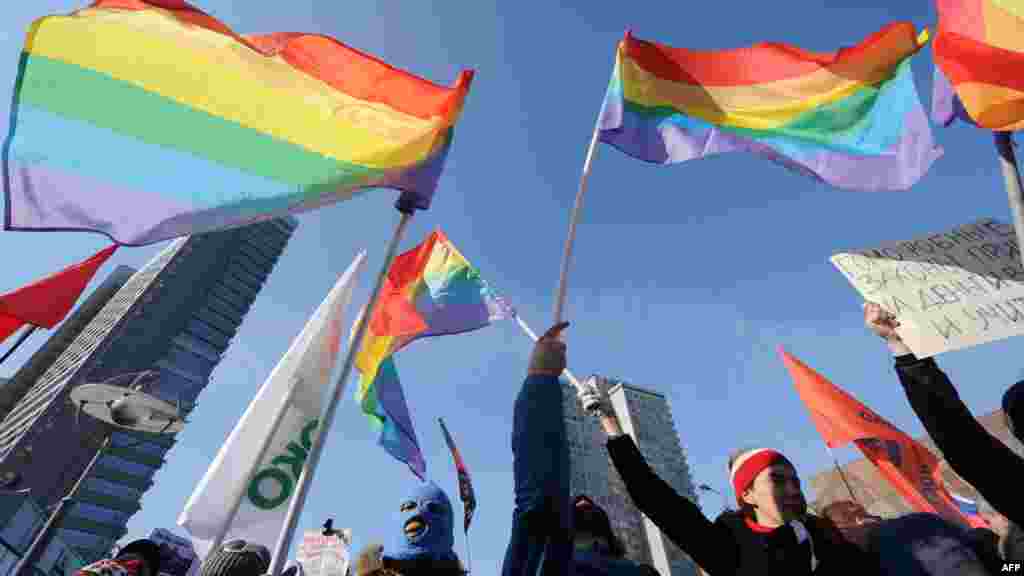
851, 118
149, 119
979, 53
430, 290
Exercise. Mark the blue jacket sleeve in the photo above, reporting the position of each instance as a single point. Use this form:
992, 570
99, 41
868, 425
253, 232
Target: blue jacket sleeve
540, 541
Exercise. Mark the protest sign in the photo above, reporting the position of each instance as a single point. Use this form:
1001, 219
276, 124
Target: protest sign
322, 555
949, 291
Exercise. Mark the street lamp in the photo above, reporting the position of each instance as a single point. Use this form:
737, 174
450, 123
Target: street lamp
125, 408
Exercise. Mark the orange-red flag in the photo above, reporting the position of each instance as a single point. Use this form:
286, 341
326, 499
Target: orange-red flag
46, 302
908, 465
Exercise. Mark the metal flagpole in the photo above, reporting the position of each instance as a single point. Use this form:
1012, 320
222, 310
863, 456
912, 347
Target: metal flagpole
21, 339
1011, 174
469, 555
237, 498
573, 219
569, 376
842, 475
302, 488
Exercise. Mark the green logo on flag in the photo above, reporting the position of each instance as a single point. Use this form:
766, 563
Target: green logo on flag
292, 462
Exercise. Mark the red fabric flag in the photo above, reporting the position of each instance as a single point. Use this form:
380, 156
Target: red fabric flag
46, 302
907, 465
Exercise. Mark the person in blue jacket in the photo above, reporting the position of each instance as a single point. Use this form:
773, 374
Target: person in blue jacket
545, 539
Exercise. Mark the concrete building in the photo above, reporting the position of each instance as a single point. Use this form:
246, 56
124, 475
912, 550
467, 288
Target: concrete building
646, 416
176, 316
875, 493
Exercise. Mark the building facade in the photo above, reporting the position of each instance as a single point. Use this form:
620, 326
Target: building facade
176, 316
646, 416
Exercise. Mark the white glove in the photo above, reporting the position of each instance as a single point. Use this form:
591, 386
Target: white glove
593, 400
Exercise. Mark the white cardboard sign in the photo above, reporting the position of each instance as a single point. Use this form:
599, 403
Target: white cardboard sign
950, 290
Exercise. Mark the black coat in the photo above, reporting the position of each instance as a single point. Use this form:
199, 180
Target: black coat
729, 546
978, 457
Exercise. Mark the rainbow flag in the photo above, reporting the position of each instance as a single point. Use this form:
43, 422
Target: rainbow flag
171, 124
979, 49
851, 118
431, 290
384, 404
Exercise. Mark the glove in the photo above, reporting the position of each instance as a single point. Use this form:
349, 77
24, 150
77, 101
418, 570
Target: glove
593, 400
548, 355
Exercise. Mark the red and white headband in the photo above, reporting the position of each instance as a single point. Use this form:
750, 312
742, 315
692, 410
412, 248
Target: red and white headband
748, 465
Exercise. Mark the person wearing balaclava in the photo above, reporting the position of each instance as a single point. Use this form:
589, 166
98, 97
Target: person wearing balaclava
981, 459
425, 544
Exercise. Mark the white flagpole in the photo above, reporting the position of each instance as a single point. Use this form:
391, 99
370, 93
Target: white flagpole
1011, 174
563, 278
302, 488
572, 379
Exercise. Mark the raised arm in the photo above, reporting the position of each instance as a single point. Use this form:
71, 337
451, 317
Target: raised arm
978, 457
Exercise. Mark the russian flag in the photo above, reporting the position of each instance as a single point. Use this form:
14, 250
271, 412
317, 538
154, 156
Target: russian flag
970, 510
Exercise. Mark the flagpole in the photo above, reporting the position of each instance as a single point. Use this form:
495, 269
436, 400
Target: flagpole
573, 219
842, 475
533, 336
1011, 174
21, 339
469, 555
237, 498
327, 416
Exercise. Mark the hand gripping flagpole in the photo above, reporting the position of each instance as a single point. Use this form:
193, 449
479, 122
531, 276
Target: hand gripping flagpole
327, 416
573, 219
533, 336
1011, 173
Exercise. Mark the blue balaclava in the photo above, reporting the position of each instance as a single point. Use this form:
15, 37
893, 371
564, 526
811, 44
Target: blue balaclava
426, 526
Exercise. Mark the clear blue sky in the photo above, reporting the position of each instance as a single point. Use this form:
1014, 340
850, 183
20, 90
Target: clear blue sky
686, 278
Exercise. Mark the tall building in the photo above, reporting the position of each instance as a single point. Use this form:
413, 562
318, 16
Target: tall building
13, 390
644, 415
875, 493
175, 316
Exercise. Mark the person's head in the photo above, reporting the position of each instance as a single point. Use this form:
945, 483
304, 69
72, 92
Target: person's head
767, 486
146, 552
1013, 409
236, 558
592, 530
847, 514
427, 525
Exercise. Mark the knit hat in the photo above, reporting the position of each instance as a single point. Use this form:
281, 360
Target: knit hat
748, 465
237, 558
426, 530
1013, 406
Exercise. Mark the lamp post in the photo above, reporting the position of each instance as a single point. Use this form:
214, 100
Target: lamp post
121, 408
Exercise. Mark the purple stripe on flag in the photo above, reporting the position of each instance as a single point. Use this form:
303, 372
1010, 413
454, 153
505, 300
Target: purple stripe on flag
946, 105
898, 169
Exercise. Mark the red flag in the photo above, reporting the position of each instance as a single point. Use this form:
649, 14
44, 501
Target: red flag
46, 302
907, 465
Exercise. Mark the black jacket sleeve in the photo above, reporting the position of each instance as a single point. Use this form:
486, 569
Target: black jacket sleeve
977, 456
710, 544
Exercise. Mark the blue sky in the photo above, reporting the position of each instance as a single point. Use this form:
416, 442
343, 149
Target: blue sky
686, 278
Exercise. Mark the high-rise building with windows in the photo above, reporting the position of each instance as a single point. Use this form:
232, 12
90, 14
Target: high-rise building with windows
175, 316
644, 415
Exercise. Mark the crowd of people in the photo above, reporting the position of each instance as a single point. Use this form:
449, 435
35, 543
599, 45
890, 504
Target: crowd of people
772, 531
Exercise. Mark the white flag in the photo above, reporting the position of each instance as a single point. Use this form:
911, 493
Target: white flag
306, 368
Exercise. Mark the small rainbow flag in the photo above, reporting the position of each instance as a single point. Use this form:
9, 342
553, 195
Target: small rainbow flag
431, 290
979, 48
171, 124
851, 118
466, 493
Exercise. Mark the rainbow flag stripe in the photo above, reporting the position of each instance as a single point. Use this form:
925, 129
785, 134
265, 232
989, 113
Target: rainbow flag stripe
431, 290
171, 124
384, 404
979, 47
850, 118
